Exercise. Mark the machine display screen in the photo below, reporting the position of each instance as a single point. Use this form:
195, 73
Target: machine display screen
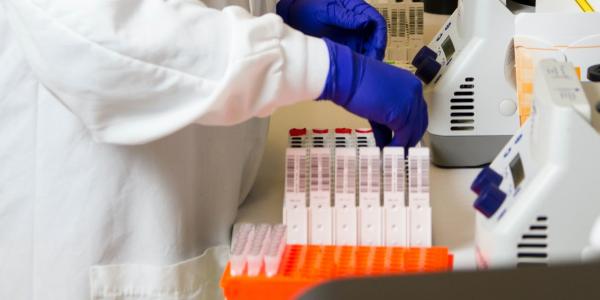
516, 168
448, 47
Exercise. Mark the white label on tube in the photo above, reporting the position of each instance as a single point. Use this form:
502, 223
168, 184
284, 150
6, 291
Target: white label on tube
395, 218
320, 211
418, 165
370, 218
418, 197
346, 217
295, 210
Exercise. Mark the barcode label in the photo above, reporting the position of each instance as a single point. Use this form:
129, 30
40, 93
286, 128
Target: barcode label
419, 24
393, 170
339, 174
301, 174
402, 25
413, 172
404, 20
289, 173
320, 166
369, 170
400, 171
394, 26
375, 173
314, 172
412, 21
351, 176
325, 173
388, 20
388, 174
345, 171
364, 174
418, 163
295, 170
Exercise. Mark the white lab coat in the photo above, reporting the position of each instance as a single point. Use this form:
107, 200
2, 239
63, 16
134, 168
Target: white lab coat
112, 184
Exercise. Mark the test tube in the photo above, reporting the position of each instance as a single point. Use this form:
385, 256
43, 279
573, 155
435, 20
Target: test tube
274, 249
242, 235
295, 211
395, 218
320, 217
369, 197
418, 197
257, 249
345, 211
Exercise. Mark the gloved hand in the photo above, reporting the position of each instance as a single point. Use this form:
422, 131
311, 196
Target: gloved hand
353, 23
384, 94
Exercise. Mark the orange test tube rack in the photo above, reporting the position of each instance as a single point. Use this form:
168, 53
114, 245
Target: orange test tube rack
304, 266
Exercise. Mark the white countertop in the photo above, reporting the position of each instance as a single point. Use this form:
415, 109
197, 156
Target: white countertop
451, 198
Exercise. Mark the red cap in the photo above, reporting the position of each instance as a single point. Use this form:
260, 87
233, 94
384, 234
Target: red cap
320, 131
297, 131
364, 130
343, 130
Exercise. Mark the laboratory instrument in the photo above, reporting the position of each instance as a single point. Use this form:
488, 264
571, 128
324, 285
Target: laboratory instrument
349, 192
472, 105
538, 200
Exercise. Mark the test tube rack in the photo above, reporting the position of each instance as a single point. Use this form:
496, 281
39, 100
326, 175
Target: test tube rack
262, 266
340, 189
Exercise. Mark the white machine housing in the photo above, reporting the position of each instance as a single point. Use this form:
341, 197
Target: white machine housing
472, 104
550, 174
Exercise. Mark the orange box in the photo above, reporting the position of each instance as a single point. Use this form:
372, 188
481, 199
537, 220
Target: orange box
304, 266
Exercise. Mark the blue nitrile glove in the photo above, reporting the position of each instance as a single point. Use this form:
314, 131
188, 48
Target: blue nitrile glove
353, 23
382, 93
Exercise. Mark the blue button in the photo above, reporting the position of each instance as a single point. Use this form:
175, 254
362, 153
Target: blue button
428, 69
490, 200
422, 54
486, 177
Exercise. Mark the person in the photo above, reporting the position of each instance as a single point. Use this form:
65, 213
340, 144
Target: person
132, 130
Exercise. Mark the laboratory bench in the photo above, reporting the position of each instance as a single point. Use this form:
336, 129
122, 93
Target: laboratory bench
451, 197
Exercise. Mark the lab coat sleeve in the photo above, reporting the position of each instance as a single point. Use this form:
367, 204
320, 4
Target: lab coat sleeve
137, 70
